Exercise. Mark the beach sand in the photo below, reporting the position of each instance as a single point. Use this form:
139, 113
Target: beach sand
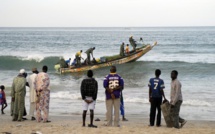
73, 125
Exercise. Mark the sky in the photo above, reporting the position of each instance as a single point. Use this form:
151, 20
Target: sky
106, 13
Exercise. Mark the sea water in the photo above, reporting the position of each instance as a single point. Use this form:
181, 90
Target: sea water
190, 50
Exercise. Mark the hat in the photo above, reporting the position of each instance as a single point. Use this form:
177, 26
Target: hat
22, 71
34, 69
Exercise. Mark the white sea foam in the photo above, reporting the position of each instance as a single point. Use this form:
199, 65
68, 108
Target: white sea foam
197, 103
36, 57
136, 100
189, 58
101, 98
66, 95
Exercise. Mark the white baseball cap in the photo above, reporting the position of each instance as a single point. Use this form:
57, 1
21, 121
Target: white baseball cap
22, 71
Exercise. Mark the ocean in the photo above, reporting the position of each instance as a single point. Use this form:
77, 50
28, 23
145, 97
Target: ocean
190, 50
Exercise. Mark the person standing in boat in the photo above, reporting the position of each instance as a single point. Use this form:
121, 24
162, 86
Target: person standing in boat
78, 58
122, 50
88, 52
127, 49
141, 39
133, 43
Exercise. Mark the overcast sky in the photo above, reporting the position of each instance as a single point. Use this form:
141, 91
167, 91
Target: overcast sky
106, 13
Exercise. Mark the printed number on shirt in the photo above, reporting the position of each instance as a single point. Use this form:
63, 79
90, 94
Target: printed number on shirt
113, 84
155, 86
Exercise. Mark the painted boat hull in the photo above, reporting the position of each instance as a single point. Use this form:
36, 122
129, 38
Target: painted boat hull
129, 58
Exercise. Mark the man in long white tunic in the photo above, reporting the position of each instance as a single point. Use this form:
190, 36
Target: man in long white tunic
32, 92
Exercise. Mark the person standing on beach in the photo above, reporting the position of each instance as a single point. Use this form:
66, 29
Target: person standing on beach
31, 81
18, 92
89, 89
3, 101
122, 109
113, 84
176, 100
156, 86
42, 83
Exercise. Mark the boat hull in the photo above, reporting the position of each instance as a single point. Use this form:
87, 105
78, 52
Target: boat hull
129, 58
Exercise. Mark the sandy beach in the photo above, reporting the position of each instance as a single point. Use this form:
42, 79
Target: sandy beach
73, 125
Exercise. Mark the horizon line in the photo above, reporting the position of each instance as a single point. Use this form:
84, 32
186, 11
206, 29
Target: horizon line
99, 26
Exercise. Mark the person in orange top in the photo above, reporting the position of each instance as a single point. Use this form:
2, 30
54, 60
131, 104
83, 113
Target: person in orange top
127, 49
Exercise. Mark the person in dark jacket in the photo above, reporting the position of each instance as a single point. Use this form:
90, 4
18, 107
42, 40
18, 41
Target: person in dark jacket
122, 49
133, 43
62, 63
89, 89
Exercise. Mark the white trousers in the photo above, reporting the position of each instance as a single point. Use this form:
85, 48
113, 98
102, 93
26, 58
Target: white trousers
32, 109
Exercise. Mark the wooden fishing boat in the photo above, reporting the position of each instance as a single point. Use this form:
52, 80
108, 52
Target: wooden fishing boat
109, 60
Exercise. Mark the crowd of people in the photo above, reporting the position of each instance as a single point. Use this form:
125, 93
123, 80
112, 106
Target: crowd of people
39, 85
114, 85
39, 88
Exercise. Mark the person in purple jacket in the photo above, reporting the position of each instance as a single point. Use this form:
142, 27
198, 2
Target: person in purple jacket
113, 84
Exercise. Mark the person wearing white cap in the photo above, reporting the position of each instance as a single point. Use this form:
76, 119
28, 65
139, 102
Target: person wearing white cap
22, 71
18, 92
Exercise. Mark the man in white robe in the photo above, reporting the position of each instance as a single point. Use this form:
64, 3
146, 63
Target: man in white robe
32, 92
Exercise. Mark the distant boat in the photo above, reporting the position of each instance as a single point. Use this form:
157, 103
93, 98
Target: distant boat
108, 60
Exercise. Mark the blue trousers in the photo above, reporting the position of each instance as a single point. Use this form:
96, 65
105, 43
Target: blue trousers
122, 110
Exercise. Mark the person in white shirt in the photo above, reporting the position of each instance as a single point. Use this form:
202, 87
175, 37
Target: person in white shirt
32, 92
176, 100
